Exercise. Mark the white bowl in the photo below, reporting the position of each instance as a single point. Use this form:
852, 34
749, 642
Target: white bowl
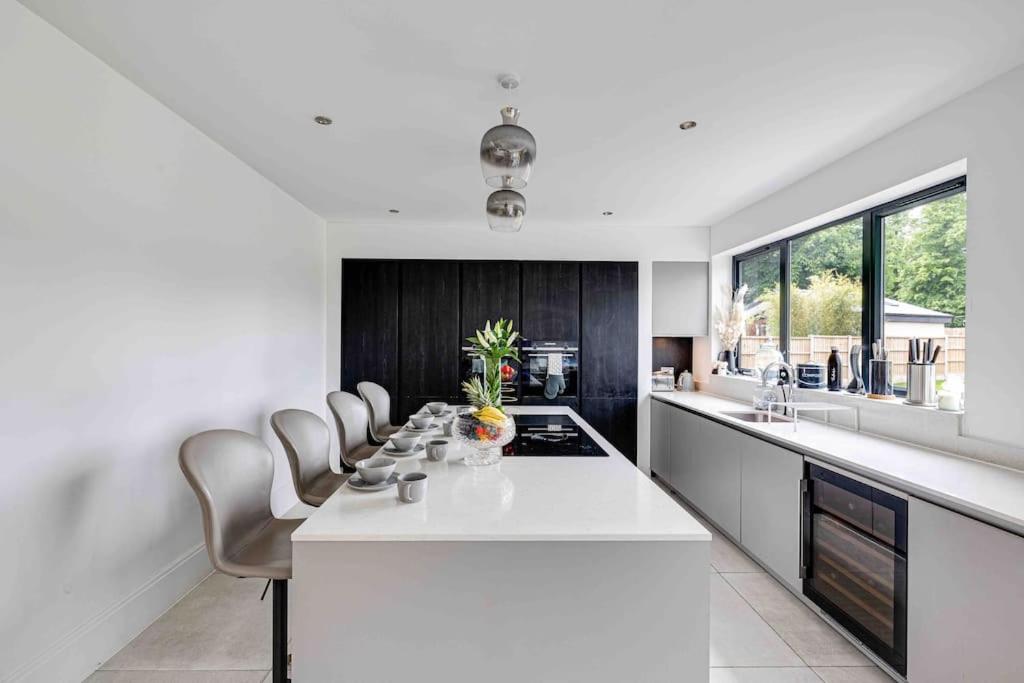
404, 441
421, 421
376, 469
436, 407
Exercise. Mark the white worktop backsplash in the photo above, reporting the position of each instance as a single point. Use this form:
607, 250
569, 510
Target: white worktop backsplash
917, 425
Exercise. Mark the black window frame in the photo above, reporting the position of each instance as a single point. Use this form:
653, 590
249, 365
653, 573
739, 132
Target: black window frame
873, 269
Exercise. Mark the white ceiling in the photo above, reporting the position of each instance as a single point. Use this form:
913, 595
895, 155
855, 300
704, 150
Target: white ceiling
779, 89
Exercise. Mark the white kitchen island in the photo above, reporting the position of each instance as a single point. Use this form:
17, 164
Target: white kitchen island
536, 569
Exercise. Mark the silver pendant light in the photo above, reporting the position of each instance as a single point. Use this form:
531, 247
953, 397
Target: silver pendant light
507, 151
506, 210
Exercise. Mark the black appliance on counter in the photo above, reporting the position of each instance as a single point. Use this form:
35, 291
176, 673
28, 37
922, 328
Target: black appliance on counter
551, 435
473, 366
811, 376
535, 377
854, 559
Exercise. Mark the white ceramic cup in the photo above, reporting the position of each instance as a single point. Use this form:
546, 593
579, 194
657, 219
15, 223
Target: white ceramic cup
412, 487
437, 450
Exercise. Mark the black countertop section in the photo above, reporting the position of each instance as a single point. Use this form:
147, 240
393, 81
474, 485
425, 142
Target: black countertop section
551, 436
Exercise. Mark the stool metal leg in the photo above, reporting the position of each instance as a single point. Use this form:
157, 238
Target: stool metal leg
280, 645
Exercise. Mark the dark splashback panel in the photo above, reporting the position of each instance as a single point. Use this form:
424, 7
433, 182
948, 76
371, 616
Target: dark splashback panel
676, 352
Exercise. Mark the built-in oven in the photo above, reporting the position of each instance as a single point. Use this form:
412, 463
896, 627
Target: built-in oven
550, 369
854, 558
473, 365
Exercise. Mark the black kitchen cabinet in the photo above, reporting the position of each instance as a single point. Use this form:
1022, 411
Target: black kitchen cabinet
369, 325
407, 405
490, 290
610, 320
429, 328
615, 420
551, 301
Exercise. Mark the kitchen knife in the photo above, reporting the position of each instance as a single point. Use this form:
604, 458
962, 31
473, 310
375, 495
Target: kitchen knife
935, 353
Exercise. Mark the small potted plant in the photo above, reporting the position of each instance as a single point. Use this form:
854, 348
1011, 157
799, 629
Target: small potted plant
729, 324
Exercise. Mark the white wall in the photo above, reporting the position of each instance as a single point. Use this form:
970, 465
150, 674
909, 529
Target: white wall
151, 286
984, 128
537, 241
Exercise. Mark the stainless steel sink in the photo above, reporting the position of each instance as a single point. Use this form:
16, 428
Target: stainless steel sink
755, 416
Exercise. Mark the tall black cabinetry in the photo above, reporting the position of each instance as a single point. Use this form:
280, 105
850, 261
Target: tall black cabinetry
428, 326
369, 325
404, 323
609, 315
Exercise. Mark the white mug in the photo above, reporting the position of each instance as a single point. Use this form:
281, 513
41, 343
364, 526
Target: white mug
412, 487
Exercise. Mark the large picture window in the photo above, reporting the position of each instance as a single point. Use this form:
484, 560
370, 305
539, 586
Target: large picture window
895, 272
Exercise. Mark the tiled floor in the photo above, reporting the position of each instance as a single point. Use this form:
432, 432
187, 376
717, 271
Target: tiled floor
760, 633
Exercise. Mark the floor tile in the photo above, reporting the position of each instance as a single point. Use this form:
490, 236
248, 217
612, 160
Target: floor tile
764, 675
852, 674
178, 677
221, 625
817, 643
727, 557
739, 637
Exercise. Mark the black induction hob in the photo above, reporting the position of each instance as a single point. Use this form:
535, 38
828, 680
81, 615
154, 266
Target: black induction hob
551, 435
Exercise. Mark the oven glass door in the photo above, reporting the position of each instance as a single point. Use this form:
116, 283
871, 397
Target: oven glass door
535, 370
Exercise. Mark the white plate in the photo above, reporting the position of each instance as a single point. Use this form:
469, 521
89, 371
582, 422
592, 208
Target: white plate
420, 430
395, 453
356, 482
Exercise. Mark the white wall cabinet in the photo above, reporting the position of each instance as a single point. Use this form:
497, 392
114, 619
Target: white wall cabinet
965, 599
680, 298
661, 439
770, 507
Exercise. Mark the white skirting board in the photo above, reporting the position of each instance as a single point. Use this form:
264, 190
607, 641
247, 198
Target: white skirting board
78, 653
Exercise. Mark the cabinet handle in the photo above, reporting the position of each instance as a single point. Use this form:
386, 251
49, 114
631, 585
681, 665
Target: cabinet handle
805, 526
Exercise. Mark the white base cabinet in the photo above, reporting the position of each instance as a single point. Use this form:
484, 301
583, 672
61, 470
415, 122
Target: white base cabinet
661, 415
770, 507
748, 487
965, 599
683, 437
718, 458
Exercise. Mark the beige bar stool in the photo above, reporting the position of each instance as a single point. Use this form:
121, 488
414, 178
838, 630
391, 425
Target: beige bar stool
231, 473
378, 404
307, 443
350, 417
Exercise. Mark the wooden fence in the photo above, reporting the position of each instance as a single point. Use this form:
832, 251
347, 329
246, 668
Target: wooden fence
816, 348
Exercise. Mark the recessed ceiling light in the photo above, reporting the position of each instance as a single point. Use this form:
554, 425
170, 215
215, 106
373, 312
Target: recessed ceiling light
392, 210
607, 213
323, 120
687, 125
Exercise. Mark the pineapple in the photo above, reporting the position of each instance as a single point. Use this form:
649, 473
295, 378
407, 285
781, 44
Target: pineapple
485, 400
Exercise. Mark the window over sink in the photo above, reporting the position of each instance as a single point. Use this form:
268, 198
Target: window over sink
894, 272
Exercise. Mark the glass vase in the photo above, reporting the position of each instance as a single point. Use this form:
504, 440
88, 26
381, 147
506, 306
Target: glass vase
484, 439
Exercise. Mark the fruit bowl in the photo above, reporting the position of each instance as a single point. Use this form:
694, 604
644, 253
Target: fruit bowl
485, 435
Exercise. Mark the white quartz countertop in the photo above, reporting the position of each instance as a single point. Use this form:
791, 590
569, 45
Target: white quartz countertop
987, 492
519, 499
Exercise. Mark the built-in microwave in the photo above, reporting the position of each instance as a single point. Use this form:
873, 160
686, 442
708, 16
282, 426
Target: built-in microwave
854, 558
